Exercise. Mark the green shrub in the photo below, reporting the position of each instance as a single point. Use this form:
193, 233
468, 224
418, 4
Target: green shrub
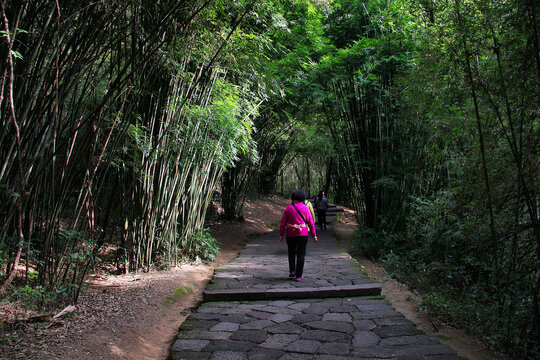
367, 242
34, 297
392, 261
204, 247
446, 255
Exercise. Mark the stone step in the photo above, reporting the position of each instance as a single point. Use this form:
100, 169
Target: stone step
371, 289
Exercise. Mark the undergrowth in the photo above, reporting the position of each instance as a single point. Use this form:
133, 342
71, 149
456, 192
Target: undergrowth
441, 257
204, 247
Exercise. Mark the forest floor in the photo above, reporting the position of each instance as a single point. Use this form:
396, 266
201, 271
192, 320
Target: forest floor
136, 316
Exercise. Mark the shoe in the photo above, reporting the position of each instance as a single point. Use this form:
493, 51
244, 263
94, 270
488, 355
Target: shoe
299, 278
291, 274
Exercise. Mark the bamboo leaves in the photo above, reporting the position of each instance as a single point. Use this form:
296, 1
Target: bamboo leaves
124, 125
181, 171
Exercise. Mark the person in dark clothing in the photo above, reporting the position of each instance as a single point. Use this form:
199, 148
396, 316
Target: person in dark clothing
321, 205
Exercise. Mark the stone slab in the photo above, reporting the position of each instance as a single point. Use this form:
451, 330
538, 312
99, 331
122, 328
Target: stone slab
370, 289
254, 311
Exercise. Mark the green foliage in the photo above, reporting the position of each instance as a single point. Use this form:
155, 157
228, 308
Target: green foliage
392, 261
444, 258
226, 124
368, 243
36, 297
203, 247
289, 40
130, 149
430, 105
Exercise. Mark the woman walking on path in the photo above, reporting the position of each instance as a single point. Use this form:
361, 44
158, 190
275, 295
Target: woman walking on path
321, 204
295, 223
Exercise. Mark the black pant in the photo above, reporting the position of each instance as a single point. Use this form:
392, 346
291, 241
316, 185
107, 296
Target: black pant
321, 216
297, 254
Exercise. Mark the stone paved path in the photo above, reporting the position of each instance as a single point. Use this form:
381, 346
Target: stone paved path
260, 272
259, 319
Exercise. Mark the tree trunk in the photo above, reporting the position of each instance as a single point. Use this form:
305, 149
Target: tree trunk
19, 182
470, 79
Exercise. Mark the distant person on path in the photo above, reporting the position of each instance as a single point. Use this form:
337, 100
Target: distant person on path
295, 223
310, 207
321, 204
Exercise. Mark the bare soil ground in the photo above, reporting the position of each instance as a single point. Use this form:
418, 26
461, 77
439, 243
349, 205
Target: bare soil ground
136, 316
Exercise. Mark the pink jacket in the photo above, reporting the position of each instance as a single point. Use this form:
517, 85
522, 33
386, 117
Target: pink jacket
291, 216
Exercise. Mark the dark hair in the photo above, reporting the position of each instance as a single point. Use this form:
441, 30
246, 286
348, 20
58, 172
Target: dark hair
298, 195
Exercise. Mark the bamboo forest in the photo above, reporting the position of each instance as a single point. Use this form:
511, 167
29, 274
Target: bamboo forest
126, 123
